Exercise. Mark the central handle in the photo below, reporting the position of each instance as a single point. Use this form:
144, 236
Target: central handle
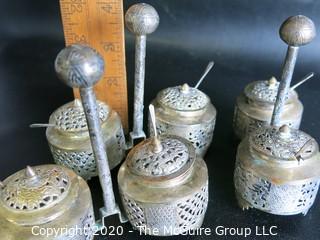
141, 19
295, 31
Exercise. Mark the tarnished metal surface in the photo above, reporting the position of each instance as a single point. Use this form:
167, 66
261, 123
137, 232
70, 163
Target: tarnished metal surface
48, 197
164, 188
69, 139
141, 19
285, 199
277, 171
254, 107
81, 66
186, 112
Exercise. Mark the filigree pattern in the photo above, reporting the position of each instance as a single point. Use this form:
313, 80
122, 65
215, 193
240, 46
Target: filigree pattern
83, 162
243, 124
173, 157
285, 199
183, 215
70, 117
174, 98
29, 194
200, 136
191, 211
134, 212
158, 217
262, 91
272, 142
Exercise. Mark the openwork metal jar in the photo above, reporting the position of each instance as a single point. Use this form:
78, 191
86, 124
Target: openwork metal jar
45, 198
164, 188
69, 139
254, 107
186, 112
277, 171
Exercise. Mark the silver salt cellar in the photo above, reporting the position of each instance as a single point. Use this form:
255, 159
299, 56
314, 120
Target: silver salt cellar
45, 197
255, 106
69, 140
187, 112
164, 186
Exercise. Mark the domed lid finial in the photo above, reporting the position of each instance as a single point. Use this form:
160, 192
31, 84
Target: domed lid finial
185, 88
272, 82
30, 173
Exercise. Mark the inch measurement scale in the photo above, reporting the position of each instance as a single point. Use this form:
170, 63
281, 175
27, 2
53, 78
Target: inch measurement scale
99, 24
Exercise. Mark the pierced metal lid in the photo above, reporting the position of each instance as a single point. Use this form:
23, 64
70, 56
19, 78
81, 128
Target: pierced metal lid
71, 118
174, 158
263, 91
183, 98
34, 189
284, 143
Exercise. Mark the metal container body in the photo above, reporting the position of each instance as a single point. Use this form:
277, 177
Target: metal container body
248, 117
27, 216
73, 149
273, 185
168, 206
188, 115
254, 108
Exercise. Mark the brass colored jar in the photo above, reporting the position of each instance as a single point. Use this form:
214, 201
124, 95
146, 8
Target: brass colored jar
36, 201
277, 171
164, 186
254, 107
186, 112
69, 139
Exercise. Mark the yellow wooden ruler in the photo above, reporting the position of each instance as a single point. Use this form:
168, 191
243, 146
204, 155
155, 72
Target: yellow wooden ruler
99, 24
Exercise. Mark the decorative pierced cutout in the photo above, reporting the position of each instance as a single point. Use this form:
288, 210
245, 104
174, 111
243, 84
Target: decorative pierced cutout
88, 223
134, 212
173, 157
86, 228
243, 124
191, 211
158, 217
262, 91
70, 117
81, 162
183, 215
174, 98
23, 193
278, 199
271, 141
200, 136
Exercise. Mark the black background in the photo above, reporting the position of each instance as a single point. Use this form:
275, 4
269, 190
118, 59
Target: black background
241, 36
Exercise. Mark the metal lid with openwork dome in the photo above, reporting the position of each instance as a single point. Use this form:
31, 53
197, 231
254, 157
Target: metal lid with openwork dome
35, 189
183, 98
71, 118
172, 157
284, 143
264, 91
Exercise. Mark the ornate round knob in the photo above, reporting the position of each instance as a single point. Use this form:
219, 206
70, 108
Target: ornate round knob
297, 30
79, 66
142, 19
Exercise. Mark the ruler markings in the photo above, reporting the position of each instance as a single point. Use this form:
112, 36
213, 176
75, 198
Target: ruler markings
99, 23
